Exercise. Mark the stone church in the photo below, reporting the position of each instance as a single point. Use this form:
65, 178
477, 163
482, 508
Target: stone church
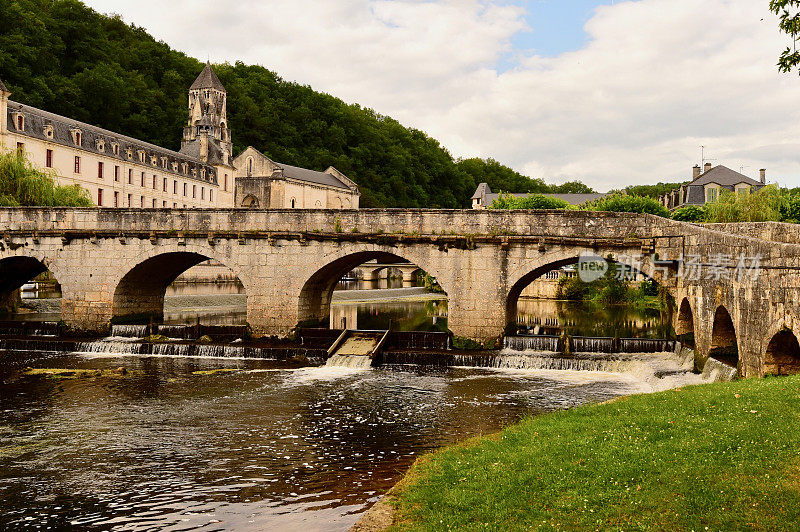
120, 171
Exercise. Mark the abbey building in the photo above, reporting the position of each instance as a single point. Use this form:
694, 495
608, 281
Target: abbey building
120, 171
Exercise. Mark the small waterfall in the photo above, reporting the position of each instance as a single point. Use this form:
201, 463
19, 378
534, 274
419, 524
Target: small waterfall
176, 331
129, 331
645, 345
531, 343
110, 345
29, 328
349, 361
37, 345
584, 344
716, 371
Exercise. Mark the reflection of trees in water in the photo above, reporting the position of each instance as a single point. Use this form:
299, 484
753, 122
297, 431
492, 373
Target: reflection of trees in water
581, 319
402, 315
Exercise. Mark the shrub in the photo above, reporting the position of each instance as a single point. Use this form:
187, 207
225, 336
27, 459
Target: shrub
532, 201
625, 203
760, 206
690, 213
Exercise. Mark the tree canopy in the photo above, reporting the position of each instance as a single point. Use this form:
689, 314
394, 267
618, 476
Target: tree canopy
788, 12
64, 57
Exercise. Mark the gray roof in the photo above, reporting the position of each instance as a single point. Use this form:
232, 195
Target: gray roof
572, 199
215, 152
207, 80
481, 191
311, 176
722, 175
37, 119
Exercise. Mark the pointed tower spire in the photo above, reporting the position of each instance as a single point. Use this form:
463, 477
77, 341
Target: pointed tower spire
207, 80
208, 116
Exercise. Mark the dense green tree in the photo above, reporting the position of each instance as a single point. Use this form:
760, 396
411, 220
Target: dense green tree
66, 58
690, 213
652, 191
571, 187
500, 177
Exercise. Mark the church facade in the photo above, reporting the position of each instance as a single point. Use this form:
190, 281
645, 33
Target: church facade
120, 171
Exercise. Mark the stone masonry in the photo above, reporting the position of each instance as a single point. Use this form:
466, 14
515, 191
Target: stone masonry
114, 264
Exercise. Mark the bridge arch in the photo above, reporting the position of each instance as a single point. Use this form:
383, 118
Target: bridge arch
18, 269
527, 273
314, 303
140, 288
782, 356
684, 328
724, 343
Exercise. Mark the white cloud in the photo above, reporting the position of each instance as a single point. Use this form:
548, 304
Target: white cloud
656, 79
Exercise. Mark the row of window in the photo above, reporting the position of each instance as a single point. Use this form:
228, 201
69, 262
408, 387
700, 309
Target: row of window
142, 180
100, 145
154, 203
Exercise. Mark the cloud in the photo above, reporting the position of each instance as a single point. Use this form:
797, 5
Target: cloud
655, 80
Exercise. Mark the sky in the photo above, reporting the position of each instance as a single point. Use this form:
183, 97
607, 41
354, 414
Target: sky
612, 93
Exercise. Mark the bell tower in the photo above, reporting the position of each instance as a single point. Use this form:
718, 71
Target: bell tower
208, 118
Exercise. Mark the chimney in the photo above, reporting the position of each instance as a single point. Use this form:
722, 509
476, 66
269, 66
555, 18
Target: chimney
695, 172
204, 146
763, 173
4, 95
707, 167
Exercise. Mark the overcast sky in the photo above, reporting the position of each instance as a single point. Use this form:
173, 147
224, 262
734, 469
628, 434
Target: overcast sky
611, 93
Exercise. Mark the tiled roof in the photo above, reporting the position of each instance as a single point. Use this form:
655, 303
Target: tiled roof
722, 175
37, 119
311, 176
481, 191
207, 80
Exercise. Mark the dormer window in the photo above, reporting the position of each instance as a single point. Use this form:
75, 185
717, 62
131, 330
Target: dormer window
194, 172
164, 162
115, 148
154, 160
141, 155
48, 131
77, 136
19, 121
202, 173
129, 153
175, 167
184, 168
100, 144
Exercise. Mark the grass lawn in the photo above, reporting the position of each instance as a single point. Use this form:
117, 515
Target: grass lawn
721, 456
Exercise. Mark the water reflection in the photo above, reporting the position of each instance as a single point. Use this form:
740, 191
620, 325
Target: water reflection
547, 316
263, 448
397, 315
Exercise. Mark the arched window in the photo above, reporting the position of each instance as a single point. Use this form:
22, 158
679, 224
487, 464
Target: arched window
292, 203
249, 166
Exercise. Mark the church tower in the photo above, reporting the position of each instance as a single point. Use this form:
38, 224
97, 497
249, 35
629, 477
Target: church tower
207, 131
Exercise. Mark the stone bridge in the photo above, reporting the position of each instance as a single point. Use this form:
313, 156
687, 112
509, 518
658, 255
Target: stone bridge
116, 265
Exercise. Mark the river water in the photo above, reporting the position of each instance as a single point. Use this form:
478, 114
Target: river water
176, 444
259, 448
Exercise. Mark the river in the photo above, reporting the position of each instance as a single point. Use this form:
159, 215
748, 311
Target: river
176, 444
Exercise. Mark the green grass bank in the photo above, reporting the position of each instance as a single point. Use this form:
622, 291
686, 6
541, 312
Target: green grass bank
722, 456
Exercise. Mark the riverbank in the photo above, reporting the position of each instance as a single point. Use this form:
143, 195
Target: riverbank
722, 456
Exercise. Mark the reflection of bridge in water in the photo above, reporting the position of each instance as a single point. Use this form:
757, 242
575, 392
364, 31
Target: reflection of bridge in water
116, 265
